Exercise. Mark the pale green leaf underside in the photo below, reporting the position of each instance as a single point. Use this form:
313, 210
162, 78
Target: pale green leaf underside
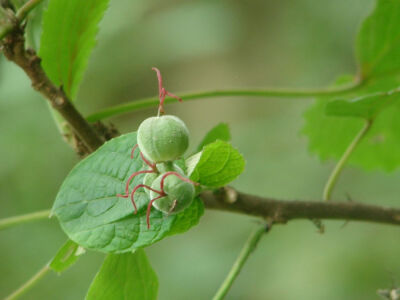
219, 132
66, 256
69, 35
218, 165
92, 215
126, 276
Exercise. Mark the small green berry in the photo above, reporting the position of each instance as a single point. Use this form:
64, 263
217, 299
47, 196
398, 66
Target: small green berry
148, 180
162, 168
179, 194
163, 138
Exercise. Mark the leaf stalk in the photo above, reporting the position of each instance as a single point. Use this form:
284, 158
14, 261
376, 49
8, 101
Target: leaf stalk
330, 184
248, 248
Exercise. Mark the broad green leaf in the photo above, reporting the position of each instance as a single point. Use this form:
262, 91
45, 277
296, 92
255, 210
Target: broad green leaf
378, 42
329, 136
94, 217
126, 276
378, 48
219, 132
218, 165
366, 107
69, 35
66, 256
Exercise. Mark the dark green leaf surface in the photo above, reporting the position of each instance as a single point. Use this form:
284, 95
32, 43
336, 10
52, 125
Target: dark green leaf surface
66, 256
92, 215
126, 276
378, 42
218, 165
219, 132
69, 35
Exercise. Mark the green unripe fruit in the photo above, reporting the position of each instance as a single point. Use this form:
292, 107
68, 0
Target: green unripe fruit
180, 194
148, 180
169, 166
162, 168
163, 138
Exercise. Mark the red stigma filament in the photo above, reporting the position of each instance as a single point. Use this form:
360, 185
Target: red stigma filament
161, 194
162, 93
177, 175
147, 162
129, 181
133, 150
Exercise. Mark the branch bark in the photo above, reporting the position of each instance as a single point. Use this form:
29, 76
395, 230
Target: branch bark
14, 50
279, 211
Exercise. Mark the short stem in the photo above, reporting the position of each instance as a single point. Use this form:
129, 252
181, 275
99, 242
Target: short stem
27, 8
29, 284
248, 248
341, 163
12, 221
281, 93
20, 16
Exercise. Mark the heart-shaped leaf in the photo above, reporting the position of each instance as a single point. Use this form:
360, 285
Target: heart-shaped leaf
94, 217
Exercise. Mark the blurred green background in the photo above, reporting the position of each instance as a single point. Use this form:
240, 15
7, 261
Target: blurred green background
205, 45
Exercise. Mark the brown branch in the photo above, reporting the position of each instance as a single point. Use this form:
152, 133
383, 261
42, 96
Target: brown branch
280, 211
14, 50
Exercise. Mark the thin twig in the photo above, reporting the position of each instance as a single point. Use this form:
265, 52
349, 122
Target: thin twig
248, 248
266, 93
29, 284
14, 21
17, 220
23, 12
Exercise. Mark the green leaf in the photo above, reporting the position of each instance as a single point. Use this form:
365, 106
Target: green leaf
378, 45
218, 165
378, 42
329, 136
366, 107
66, 256
92, 215
219, 132
126, 276
69, 35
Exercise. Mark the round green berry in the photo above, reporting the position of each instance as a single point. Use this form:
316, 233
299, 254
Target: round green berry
163, 138
162, 168
179, 194
148, 180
